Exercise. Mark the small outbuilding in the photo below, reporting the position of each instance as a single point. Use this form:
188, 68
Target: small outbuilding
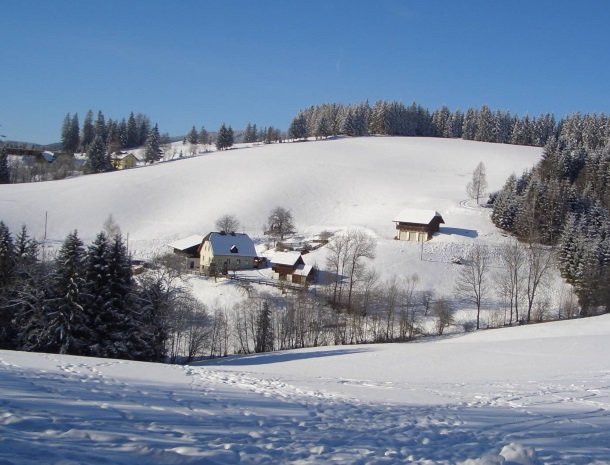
189, 249
413, 224
289, 266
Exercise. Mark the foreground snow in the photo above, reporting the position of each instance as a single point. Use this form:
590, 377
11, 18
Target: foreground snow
528, 395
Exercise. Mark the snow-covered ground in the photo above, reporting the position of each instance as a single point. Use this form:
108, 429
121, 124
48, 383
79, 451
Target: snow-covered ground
538, 394
328, 185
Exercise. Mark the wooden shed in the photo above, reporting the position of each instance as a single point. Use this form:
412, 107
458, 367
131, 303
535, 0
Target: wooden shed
289, 266
413, 224
189, 249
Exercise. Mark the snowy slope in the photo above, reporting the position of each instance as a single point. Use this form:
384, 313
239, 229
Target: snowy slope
335, 183
332, 184
538, 395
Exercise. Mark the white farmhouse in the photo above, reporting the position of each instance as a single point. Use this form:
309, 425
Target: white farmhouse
221, 252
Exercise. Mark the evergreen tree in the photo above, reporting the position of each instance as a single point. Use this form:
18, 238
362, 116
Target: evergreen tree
132, 132
97, 291
98, 159
123, 133
100, 127
193, 136
122, 329
74, 133
204, 137
143, 124
5, 172
225, 137
264, 333
25, 249
7, 255
88, 131
69, 325
70, 134
153, 146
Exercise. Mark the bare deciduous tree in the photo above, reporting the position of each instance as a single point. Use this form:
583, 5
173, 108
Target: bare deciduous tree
478, 185
539, 261
472, 283
512, 275
360, 246
444, 315
227, 223
280, 223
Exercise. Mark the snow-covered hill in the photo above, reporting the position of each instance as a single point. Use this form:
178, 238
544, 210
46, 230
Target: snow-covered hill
328, 185
539, 394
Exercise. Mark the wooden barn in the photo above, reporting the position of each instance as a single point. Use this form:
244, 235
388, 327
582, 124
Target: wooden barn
289, 266
189, 249
417, 225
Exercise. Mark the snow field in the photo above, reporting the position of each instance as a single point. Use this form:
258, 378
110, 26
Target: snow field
537, 397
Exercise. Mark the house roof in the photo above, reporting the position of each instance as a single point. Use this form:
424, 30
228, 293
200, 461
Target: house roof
415, 215
234, 244
303, 270
286, 258
187, 242
123, 155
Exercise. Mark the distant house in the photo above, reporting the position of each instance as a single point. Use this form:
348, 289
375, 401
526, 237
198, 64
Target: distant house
125, 160
289, 266
417, 225
189, 249
221, 252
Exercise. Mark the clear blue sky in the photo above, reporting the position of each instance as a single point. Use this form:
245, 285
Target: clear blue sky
196, 62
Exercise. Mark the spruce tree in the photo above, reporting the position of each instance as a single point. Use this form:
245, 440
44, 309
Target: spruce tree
69, 326
204, 137
132, 132
88, 131
264, 333
153, 150
5, 173
98, 159
193, 136
224, 139
97, 292
7, 255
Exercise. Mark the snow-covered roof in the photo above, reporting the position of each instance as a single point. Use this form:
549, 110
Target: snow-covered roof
303, 270
48, 156
187, 242
286, 258
235, 244
416, 215
121, 156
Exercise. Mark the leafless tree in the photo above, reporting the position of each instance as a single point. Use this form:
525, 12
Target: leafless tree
219, 333
512, 275
111, 227
391, 297
539, 261
478, 185
568, 303
359, 246
280, 223
336, 262
408, 314
227, 223
472, 281
444, 315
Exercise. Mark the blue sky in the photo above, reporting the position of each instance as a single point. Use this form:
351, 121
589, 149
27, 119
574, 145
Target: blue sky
196, 62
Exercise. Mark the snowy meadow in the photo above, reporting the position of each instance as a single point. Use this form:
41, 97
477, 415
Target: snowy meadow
533, 394
526, 395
